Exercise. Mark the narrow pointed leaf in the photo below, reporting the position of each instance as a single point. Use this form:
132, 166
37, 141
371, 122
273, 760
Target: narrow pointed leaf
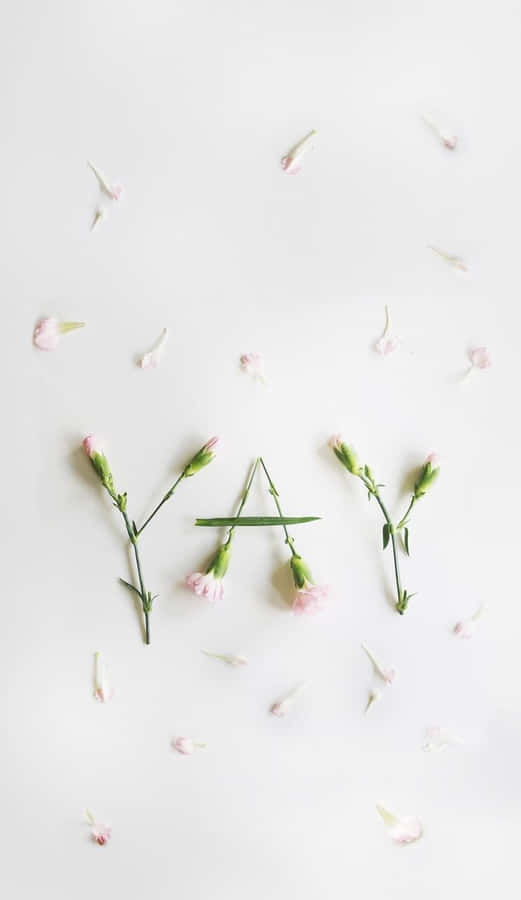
130, 587
244, 521
406, 540
385, 535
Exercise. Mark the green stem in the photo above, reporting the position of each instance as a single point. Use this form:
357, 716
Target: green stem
274, 494
143, 593
243, 501
374, 491
403, 521
159, 505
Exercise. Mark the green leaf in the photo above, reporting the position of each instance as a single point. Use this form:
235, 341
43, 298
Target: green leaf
386, 534
406, 540
131, 587
255, 520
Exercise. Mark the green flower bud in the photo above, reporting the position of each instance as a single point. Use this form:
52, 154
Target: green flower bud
202, 458
300, 572
346, 455
219, 564
426, 478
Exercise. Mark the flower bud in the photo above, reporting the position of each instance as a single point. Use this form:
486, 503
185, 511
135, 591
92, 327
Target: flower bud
95, 451
345, 454
301, 574
202, 458
427, 477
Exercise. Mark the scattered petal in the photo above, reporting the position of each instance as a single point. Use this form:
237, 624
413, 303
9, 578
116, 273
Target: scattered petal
466, 628
281, 707
387, 674
403, 830
228, 658
374, 696
388, 342
99, 214
152, 359
48, 332
113, 191
253, 364
291, 163
103, 690
480, 358
100, 833
448, 140
439, 739
187, 746
454, 261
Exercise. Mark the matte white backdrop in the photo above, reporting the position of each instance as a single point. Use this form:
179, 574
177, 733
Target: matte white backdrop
191, 105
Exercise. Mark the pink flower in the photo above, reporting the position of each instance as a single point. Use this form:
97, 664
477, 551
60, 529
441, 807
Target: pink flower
103, 691
388, 342
92, 445
403, 830
466, 628
434, 459
48, 332
100, 833
152, 359
386, 673
282, 707
291, 163
480, 358
186, 745
309, 599
206, 585
253, 364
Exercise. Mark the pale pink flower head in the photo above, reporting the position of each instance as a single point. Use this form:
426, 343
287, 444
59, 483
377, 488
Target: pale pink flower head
480, 358
47, 332
152, 359
186, 745
466, 628
434, 459
209, 584
253, 364
292, 161
310, 600
402, 830
92, 445
100, 833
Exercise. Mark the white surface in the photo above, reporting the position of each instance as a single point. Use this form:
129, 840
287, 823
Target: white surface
191, 105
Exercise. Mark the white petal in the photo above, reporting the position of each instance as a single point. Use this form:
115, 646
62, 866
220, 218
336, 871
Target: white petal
152, 359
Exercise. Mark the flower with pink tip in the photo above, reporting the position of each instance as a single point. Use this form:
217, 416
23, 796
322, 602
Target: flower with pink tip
480, 358
253, 364
467, 627
386, 673
48, 332
388, 342
100, 833
202, 458
281, 707
103, 690
434, 459
448, 140
309, 597
292, 161
187, 746
209, 584
402, 830
93, 444
152, 359
113, 191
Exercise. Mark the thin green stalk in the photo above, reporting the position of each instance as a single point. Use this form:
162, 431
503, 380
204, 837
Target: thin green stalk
159, 505
143, 593
274, 494
403, 521
243, 501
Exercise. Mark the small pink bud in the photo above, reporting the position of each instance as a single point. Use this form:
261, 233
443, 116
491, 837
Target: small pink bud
99, 833
93, 444
48, 332
336, 441
187, 746
434, 459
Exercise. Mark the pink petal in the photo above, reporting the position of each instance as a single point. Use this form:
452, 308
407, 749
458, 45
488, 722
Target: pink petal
152, 359
480, 358
310, 599
47, 334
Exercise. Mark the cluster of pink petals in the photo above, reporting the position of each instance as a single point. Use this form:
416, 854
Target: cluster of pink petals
48, 331
186, 746
402, 830
92, 444
206, 585
100, 833
310, 599
152, 359
480, 358
292, 161
253, 364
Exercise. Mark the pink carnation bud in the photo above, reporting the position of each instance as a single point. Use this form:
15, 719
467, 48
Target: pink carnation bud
336, 441
48, 332
187, 746
291, 163
100, 833
434, 459
93, 444
480, 358
404, 830
212, 444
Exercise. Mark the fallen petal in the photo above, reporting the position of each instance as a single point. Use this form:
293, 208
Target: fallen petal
438, 739
152, 359
291, 162
404, 830
228, 658
281, 707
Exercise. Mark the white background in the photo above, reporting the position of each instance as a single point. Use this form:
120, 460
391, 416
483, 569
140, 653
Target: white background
191, 105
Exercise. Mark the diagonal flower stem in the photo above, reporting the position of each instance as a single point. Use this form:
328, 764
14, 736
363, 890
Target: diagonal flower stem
243, 501
373, 489
160, 504
143, 594
275, 495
